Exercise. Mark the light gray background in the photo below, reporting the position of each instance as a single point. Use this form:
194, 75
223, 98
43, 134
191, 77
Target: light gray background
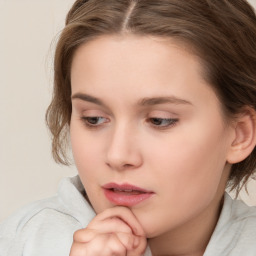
28, 173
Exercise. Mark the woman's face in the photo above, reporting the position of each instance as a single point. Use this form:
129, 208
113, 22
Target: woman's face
147, 131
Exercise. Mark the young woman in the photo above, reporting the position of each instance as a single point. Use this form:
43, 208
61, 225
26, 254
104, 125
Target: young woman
158, 100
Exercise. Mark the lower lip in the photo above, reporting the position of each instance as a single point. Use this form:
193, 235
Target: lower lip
125, 199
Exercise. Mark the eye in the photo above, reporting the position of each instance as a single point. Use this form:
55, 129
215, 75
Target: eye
94, 121
162, 122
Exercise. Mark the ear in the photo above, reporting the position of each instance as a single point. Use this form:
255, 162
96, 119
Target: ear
245, 136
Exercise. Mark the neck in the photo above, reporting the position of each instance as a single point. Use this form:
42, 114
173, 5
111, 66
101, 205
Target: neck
191, 238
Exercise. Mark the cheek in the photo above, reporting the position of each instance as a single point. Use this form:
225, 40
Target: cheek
189, 179
87, 158
83, 148
192, 162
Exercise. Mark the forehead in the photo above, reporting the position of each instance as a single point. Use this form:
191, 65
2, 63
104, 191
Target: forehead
137, 66
134, 47
132, 54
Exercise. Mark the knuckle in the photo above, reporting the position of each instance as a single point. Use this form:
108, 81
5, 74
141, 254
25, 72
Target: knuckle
118, 251
77, 235
120, 225
115, 246
82, 235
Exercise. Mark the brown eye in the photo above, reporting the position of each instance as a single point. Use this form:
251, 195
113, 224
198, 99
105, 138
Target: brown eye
94, 120
163, 122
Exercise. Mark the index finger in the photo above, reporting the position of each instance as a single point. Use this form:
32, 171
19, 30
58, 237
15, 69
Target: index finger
125, 215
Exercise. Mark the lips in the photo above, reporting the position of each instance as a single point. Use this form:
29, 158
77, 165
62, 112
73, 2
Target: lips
125, 194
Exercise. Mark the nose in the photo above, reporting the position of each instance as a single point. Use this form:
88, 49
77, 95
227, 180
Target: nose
123, 149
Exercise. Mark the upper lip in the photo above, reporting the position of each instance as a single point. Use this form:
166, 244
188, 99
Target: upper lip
125, 187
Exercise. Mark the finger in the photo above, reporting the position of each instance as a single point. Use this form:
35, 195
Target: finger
84, 235
78, 249
125, 215
105, 245
140, 248
87, 234
110, 225
113, 225
115, 247
128, 240
91, 241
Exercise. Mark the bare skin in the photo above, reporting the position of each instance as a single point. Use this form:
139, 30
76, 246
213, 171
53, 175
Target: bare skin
116, 231
143, 114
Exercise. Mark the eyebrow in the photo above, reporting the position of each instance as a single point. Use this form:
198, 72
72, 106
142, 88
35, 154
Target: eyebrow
143, 102
88, 98
163, 100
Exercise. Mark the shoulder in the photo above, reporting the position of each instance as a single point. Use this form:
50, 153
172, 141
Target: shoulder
47, 224
235, 231
242, 212
240, 217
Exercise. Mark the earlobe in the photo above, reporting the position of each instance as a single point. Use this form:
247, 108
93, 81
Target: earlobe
245, 137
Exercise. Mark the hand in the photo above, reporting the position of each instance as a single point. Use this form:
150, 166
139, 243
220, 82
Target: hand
114, 232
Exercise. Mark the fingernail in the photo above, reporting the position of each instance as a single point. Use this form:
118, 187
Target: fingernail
136, 241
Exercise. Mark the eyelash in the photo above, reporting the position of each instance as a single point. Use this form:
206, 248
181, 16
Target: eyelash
86, 119
170, 122
154, 121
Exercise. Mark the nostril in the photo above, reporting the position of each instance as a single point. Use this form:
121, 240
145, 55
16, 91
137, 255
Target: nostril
128, 165
121, 166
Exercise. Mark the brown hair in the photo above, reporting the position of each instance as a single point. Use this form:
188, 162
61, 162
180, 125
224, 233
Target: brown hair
222, 32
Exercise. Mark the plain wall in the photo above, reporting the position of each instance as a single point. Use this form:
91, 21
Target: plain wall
28, 29
28, 173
